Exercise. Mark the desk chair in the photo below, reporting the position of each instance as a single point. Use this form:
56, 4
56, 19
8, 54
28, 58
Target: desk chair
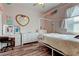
9, 43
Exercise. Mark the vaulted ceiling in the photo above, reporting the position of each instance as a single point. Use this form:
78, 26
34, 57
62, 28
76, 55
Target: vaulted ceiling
37, 7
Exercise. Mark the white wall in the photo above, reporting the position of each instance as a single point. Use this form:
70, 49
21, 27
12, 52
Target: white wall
34, 24
1, 10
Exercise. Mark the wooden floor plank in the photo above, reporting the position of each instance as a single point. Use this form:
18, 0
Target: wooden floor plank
32, 49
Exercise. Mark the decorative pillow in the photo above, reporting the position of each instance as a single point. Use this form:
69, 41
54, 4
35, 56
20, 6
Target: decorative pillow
77, 36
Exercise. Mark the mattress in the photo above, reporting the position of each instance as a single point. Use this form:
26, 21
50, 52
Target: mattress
63, 42
62, 36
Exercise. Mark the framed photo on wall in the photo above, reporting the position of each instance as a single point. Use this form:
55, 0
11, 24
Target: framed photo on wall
16, 29
8, 29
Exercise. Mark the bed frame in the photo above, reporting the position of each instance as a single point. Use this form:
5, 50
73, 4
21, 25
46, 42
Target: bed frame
54, 49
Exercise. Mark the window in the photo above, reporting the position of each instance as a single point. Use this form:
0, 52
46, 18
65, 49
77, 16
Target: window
72, 23
73, 11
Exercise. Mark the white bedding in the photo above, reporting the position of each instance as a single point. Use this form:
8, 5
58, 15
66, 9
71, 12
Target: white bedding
63, 42
62, 36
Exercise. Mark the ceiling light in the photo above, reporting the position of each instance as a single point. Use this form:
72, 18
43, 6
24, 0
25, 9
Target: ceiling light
40, 3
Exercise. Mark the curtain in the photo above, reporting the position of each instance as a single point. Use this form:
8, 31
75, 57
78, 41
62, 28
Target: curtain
62, 23
70, 11
73, 11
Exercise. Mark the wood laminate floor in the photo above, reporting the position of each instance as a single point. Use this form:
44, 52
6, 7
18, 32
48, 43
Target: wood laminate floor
32, 49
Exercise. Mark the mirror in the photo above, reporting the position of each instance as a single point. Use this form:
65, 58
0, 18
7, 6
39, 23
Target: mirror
22, 20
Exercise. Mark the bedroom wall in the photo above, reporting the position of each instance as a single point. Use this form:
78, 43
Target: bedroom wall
34, 23
57, 17
1, 12
28, 32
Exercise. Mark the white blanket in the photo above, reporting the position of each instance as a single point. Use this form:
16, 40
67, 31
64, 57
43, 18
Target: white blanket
63, 42
62, 36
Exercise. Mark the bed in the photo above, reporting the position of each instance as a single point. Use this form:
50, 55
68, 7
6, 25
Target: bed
62, 42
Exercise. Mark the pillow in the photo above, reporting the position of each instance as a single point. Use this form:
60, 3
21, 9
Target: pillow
77, 36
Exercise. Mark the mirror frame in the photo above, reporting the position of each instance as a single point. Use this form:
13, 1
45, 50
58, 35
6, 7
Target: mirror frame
22, 16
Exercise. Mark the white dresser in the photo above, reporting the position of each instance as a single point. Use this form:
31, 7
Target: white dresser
26, 38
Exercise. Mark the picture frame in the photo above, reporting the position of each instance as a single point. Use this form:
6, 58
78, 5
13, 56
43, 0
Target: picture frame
16, 29
8, 29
